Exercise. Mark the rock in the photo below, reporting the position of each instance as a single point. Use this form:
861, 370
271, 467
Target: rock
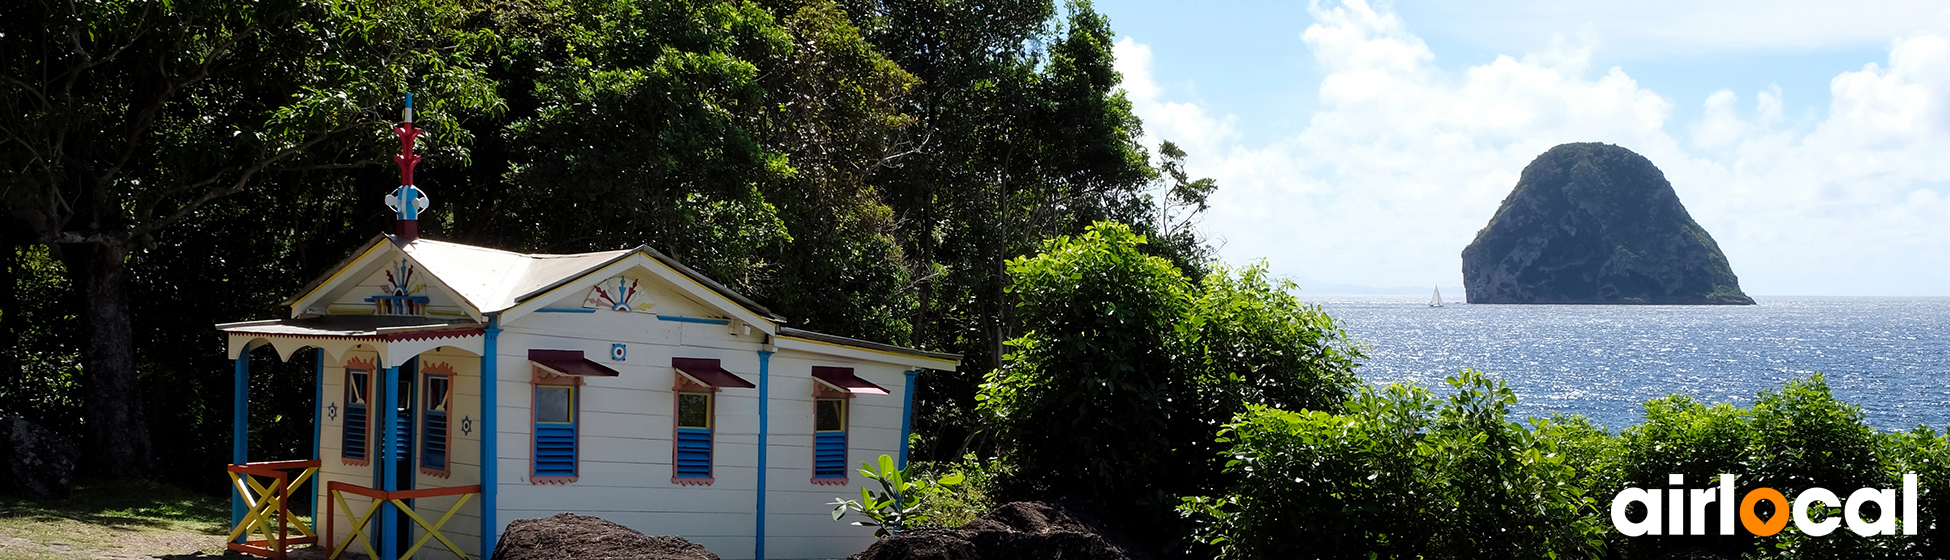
38, 462
1596, 223
571, 536
1014, 530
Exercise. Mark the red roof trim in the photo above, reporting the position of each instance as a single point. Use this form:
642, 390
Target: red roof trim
569, 362
430, 335
842, 378
708, 372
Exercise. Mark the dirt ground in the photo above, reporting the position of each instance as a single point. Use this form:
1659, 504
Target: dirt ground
567, 535
1015, 530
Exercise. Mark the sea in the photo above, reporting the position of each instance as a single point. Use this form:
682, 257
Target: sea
1891, 356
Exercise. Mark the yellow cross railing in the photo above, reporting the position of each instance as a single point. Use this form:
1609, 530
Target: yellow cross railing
266, 526
398, 498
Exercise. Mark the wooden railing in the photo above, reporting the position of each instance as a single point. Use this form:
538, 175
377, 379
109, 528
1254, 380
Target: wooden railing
398, 498
266, 514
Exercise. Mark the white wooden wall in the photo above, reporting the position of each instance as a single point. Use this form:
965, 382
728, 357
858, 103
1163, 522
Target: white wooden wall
624, 454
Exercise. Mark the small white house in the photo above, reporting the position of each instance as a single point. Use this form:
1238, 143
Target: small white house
461, 388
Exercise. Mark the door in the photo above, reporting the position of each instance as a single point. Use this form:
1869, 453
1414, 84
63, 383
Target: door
404, 397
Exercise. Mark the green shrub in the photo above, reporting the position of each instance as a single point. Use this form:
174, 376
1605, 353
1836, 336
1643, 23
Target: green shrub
959, 504
1127, 371
897, 506
1395, 476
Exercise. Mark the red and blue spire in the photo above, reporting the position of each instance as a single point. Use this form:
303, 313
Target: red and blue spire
407, 201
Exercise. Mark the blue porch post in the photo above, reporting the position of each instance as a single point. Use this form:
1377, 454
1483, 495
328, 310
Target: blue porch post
907, 416
317, 426
490, 436
388, 456
764, 425
240, 430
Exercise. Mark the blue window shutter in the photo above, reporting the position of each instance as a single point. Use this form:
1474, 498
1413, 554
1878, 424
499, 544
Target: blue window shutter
403, 433
829, 455
355, 432
555, 449
693, 453
433, 447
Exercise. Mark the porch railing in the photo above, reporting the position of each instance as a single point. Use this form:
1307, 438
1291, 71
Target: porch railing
266, 526
361, 521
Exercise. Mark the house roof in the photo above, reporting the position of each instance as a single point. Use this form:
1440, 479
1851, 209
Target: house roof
493, 280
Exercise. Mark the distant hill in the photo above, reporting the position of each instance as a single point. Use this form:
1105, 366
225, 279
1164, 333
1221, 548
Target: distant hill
1599, 224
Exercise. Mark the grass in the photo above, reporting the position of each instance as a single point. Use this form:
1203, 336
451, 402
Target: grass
113, 520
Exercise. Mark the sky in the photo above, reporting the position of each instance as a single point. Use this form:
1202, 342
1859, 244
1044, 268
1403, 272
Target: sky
1362, 143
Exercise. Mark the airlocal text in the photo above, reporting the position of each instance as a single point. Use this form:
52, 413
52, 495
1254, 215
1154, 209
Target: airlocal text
1669, 512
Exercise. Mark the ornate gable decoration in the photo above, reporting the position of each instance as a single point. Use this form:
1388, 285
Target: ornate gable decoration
619, 294
397, 297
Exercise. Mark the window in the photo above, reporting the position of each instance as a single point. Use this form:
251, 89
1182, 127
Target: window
433, 423
695, 393
693, 447
358, 393
555, 432
833, 391
829, 439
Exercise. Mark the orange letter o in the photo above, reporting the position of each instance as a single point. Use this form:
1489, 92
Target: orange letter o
1753, 523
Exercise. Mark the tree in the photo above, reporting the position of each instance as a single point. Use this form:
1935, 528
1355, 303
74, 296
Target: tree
124, 119
1020, 134
1126, 371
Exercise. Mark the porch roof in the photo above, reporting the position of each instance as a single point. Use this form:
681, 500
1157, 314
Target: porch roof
358, 326
338, 333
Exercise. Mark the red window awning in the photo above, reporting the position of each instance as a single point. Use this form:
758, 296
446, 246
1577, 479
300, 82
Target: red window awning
842, 378
707, 372
568, 362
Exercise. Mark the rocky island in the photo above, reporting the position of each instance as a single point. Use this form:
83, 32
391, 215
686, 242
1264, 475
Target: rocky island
1593, 223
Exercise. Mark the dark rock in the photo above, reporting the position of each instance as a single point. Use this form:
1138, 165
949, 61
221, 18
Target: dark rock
1015, 530
38, 462
567, 535
1596, 223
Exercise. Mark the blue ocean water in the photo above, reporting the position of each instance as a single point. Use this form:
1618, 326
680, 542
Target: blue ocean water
1889, 355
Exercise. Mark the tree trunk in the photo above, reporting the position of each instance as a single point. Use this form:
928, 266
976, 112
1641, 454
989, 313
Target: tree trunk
117, 430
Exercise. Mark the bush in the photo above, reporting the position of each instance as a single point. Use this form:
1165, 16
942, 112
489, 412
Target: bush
1128, 370
1397, 477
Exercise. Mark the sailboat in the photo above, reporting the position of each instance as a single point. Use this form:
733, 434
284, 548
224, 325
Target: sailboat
1437, 301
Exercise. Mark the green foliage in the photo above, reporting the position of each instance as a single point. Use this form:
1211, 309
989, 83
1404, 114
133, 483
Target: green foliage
898, 505
957, 505
1791, 439
1085, 400
1394, 475
1128, 370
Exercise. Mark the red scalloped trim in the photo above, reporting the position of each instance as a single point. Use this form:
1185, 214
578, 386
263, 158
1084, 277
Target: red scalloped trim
356, 462
841, 481
435, 472
691, 481
551, 479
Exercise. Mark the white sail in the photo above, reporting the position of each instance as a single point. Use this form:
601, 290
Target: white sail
1437, 301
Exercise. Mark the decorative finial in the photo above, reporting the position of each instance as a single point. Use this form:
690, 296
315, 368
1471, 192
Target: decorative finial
408, 200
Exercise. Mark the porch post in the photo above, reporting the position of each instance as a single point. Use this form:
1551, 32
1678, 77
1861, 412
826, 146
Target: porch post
907, 416
240, 429
389, 457
317, 426
764, 394
490, 435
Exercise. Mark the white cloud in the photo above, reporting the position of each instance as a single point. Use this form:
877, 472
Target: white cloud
1689, 27
1403, 162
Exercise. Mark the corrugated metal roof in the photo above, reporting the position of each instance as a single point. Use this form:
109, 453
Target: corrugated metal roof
868, 344
494, 280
